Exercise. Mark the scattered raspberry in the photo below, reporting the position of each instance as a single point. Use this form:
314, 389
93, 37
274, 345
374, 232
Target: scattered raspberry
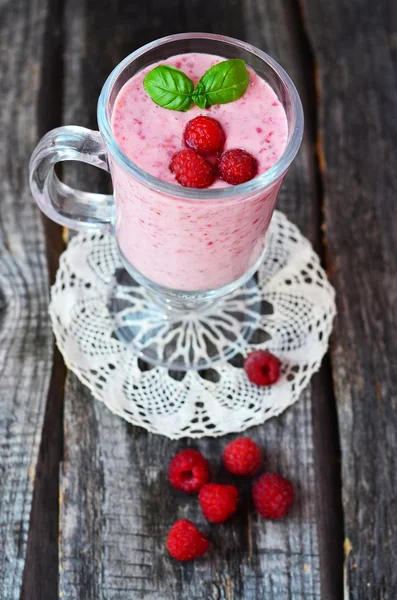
218, 502
262, 367
191, 169
237, 166
204, 134
185, 541
273, 495
188, 471
242, 457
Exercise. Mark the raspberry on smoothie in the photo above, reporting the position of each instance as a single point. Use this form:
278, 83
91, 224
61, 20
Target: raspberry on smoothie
204, 134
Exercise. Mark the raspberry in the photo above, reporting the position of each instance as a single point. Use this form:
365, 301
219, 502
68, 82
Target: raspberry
273, 495
262, 367
242, 457
204, 134
218, 502
185, 541
188, 471
191, 169
237, 166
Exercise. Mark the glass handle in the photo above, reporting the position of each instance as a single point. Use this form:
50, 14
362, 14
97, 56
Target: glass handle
83, 211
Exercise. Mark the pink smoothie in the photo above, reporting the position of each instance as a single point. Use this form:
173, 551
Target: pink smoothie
183, 244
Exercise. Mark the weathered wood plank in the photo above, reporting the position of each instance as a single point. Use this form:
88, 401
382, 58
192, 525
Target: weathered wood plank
356, 54
294, 52
277, 28
40, 576
116, 503
26, 339
118, 507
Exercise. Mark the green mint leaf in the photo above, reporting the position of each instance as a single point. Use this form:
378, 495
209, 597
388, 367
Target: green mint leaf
169, 87
224, 82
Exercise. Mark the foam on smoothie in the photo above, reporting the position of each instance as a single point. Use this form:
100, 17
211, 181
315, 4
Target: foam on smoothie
150, 134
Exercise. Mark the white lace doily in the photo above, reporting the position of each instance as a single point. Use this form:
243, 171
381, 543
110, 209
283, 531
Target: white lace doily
298, 307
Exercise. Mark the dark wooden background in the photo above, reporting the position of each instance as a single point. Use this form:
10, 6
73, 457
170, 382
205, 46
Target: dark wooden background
84, 502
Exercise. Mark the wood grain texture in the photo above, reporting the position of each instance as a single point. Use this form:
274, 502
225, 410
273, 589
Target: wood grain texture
117, 508
356, 54
40, 576
277, 28
116, 503
26, 339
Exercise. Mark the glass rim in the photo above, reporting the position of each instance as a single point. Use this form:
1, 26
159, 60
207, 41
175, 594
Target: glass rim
259, 183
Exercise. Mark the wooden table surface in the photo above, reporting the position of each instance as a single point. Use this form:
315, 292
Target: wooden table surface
84, 504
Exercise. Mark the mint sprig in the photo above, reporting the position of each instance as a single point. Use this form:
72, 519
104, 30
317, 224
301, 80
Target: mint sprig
224, 82
169, 87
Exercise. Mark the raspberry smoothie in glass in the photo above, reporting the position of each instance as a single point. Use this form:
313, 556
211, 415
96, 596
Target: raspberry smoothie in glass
183, 244
197, 151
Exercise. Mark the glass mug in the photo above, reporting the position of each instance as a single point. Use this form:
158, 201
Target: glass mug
161, 228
